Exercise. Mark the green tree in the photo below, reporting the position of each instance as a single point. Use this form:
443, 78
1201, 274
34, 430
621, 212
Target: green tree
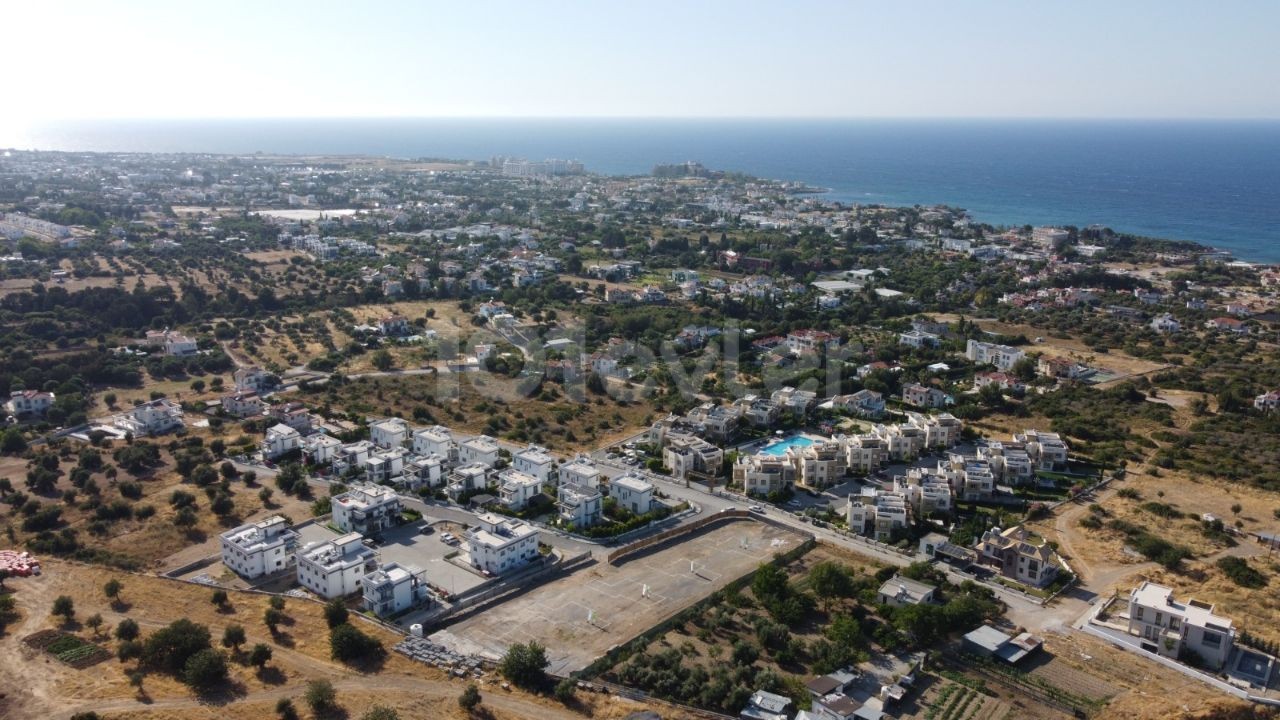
233, 637
260, 655
205, 669
380, 712
347, 644
112, 589
219, 598
129, 649
169, 648
127, 629
185, 518
321, 696
94, 623
382, 360
830, 580
335, 613
63, 605
525, 665
12, 441
769, 583
596, 383
272, 618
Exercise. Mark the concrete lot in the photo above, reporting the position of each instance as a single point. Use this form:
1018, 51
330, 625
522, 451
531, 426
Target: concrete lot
557, 615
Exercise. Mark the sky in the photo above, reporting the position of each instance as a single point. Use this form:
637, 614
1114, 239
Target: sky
654, 58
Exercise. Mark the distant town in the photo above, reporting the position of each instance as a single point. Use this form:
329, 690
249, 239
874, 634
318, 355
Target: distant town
520, 438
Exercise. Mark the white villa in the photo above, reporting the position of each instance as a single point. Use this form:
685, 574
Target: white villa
900, 591
243, 404
1174, 627
763, 473
878, 514
580, 505
536, 461
365, 509
632, 492
334, 568
253, 379
389, 433
393, 588
436, 440
319, 449
1002, 356
580, 471
1011, 552
497, 544
468, 478
28, 403
683, 454
517, 488
258, 548
151, 418
1046, 449
280, 439
479, 449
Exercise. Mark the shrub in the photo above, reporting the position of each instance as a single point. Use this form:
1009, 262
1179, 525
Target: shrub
566, 690
1241, 573
1163, 510
470, 698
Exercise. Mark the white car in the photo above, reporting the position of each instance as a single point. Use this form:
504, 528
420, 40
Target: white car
756, 509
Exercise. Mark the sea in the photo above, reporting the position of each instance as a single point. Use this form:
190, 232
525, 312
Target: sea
1212, 182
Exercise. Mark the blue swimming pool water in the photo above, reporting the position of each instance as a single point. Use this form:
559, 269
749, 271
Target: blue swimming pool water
780, 447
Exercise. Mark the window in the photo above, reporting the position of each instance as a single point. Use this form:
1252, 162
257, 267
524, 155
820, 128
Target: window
1211, 639
1137, 612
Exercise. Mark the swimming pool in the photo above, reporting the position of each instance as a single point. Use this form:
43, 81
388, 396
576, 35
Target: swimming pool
780, 447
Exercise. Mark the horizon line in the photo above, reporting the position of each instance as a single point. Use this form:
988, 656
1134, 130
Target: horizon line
752, 118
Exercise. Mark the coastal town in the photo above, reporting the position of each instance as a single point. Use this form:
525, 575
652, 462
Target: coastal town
692, 444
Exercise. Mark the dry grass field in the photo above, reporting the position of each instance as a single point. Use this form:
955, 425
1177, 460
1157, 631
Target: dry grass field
487, 403
36, 686
150, 541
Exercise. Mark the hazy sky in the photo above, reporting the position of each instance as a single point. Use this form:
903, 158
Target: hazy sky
790, 58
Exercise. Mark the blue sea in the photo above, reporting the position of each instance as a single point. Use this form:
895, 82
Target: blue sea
1214, 182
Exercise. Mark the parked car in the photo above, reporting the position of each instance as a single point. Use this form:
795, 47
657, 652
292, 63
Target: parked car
756, 509
427, 529
446, 538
